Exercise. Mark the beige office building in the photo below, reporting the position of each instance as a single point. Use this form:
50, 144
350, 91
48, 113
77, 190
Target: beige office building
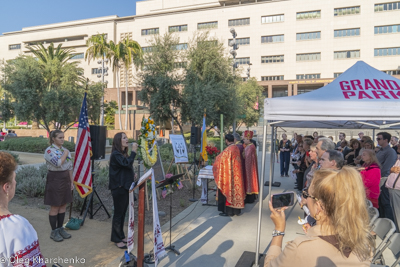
294, 46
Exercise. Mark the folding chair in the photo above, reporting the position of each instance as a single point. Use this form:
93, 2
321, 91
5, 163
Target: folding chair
384, 228
373, 215
394, 245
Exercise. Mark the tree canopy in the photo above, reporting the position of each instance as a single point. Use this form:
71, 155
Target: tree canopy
48, 89
209, 83
251, 102
161, 78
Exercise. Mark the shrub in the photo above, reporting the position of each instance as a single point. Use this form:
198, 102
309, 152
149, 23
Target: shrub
31, 182
30, 144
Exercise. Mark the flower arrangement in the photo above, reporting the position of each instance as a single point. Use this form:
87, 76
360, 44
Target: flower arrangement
168, 189
212, 151
148, 148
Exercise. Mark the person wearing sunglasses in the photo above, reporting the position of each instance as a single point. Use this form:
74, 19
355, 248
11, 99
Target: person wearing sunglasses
333, 241
387, 158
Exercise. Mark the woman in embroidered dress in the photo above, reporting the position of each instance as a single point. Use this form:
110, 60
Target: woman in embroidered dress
19, 245
120, 179
59, 184
341, 237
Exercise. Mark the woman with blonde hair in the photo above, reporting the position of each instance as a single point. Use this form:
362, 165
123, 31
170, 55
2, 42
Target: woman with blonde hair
341, 236
371, 175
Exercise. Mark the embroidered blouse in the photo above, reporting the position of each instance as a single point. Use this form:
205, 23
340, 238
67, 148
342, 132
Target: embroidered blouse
19, 245
53, 155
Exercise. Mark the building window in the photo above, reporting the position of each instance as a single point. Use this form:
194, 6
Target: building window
273, 39
308, 57
387, 6
239, 22
180, 65
279, 92
346, 54
383, 52
308, 76
347, 32
308, 36
96, 70
387, 29
392, 72
180, 28
150, 31
181, 46
147, 49
347, 11
272, 59
273, 19
337, 74
241, 41
78, 56
243, 60
308, 15
14, 47
272, 78
207, 25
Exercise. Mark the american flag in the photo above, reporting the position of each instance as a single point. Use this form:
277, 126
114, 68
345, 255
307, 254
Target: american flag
83, 151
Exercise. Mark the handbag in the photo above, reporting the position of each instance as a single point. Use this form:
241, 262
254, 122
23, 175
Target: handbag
73, 223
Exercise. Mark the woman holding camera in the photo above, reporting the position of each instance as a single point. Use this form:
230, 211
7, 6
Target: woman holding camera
341, 236
59, 184
121, 176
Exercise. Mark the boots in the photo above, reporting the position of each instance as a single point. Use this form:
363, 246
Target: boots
55, 235
63, 233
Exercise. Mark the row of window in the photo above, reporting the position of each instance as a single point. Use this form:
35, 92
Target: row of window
308, 36
383, 52
387, 6
277, 18
308, 76
387, 29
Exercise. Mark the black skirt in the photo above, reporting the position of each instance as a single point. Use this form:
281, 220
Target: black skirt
58, 188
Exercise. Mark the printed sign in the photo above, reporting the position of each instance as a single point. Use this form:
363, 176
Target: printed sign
179, 148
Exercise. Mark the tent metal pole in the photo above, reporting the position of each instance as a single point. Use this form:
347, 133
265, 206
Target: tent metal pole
271, 166
273, 144
373, 135
260, 195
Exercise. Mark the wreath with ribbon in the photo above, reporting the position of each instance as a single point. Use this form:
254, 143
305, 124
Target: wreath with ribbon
148, 148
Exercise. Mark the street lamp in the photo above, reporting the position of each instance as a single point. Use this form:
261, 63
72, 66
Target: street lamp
248, 71
103, 72
235, 65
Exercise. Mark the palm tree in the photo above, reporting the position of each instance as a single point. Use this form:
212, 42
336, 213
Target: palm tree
131, 54
98, 47
116, 59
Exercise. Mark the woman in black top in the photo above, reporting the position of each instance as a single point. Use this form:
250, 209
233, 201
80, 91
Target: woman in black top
355, 150
284, 147
121, 177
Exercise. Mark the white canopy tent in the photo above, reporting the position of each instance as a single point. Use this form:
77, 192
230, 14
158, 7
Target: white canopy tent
362, 97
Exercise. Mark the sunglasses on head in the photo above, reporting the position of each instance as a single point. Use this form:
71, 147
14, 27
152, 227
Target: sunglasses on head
307, 195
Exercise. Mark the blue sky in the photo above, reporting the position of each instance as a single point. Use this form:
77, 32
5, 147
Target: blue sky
16, 14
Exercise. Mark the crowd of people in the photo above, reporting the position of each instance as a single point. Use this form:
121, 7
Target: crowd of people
359, 171
236, 174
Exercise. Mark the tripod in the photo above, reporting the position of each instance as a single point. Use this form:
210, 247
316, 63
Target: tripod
170, 181
89, 206
194, 164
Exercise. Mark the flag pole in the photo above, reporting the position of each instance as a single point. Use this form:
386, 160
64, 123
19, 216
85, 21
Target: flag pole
222, 132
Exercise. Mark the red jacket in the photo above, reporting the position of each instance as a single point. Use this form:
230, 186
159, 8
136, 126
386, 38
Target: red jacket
371, 177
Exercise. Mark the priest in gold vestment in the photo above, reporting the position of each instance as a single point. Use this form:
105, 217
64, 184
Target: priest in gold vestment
250, 168
228, 177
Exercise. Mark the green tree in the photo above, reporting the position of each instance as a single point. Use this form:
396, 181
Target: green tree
160, 79
94, 95
116, 60
209, 83
131, 53
250, 93
98, 48
110, 109
48, 100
